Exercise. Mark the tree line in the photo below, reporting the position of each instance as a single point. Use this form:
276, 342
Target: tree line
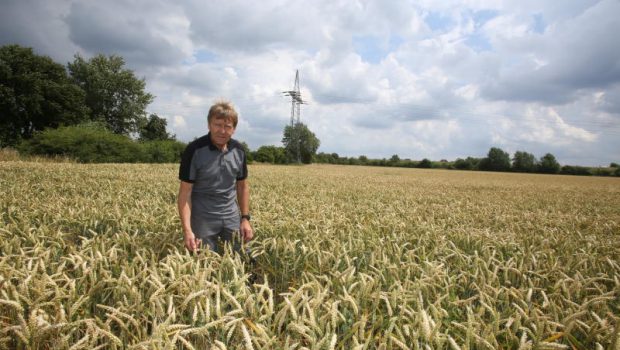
91, 110
496, 160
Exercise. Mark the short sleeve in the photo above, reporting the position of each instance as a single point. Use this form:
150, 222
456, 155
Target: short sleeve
187, 170
243, 174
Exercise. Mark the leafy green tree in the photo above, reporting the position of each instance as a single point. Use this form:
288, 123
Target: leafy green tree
114, 95
161, 151
353, 161
466, 164
548, 164
335, 158
155, 129
523, 162
425, 163
322, 157
35, 93
248, 153
496, 160
394, 160
265, 154
300, 143
270, 154
363, 159
575, 170
280, 155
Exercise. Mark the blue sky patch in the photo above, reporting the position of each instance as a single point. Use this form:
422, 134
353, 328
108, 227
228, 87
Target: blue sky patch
539, 24
437, 21
478, 42
201, 56
483, 16
205, 56
373, 49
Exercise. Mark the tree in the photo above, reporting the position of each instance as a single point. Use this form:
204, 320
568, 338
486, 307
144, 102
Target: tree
548, 164
265, 154
523, 162
161, 151
425, 163
394, 160
35, 93
496, 160
300, 143
270, 154
467, 164
248, 153
114, 95
155, 129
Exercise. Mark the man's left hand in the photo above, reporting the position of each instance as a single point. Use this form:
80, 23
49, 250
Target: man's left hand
246, 231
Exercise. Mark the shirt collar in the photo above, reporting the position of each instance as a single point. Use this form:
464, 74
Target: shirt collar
213, 147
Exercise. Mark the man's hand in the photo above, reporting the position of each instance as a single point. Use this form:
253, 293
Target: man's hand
246, 230
191, 242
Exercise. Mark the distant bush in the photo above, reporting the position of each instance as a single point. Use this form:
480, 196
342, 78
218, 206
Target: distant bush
604, 171
162, 151
442, 164
575, 170
425, 163
93, 143
467, 164
86, 143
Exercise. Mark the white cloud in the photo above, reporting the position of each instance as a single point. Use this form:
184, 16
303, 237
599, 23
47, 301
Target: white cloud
178, 122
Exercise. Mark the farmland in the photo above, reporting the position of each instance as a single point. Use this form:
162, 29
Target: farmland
345, 257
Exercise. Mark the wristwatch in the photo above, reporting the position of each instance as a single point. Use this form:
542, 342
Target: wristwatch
247, 217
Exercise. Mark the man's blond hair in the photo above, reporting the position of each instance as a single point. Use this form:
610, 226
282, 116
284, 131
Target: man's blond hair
223, 110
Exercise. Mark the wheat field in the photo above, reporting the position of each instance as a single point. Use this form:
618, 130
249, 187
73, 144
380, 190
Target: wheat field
345, 257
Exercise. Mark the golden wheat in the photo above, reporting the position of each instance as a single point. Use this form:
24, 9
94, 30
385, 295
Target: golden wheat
91, 256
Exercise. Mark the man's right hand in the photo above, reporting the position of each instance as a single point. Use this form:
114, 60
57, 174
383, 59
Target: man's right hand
191, 242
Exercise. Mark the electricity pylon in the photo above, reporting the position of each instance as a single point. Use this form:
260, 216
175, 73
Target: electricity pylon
296, 102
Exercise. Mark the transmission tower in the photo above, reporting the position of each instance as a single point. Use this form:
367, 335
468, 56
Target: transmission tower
296, 102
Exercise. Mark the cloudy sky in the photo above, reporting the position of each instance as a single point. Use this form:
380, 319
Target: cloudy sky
421, 79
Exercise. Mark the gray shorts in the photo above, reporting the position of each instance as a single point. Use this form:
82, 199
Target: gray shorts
216, 232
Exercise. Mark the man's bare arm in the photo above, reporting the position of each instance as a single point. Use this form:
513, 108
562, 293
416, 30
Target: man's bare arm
243, 199
184, 204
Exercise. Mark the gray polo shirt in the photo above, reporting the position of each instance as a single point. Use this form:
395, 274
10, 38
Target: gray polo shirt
214, 175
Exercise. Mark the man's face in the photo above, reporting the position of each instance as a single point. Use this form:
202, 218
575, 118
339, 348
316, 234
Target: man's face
221, 131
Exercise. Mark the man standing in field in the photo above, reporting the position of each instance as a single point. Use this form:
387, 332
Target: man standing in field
214, 195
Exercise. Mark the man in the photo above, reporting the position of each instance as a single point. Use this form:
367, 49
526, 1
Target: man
213, 174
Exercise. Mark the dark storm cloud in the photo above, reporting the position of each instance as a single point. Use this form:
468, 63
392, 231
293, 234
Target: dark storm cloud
120, 29
32, 23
